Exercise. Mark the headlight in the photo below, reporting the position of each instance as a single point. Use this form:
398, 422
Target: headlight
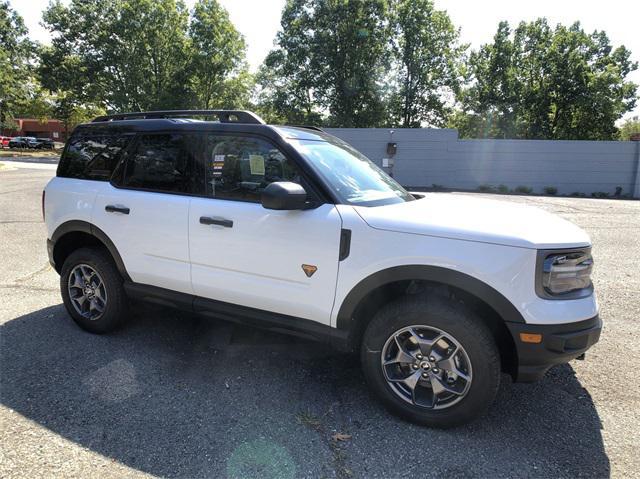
564, 274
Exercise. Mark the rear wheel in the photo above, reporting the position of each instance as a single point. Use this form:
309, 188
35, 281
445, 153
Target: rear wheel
431, 360
92, 290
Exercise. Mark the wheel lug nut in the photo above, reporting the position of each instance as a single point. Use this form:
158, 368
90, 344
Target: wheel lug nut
415, 366
425, 375
435, 370
432, 359
418, 356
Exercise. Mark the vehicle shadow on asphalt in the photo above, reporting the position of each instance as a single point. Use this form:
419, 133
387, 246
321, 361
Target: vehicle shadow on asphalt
179, 396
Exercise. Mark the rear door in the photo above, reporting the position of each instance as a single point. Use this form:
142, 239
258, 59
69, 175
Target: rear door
145, 210
280, 261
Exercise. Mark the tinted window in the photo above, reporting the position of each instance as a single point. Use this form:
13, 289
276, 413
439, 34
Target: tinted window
93, 154
162, 162
239, 168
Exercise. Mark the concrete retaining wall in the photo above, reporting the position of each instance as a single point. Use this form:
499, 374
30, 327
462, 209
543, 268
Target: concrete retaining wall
437, 156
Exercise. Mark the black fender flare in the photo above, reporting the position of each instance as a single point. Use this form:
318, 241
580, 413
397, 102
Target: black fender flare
507, 311
86, 227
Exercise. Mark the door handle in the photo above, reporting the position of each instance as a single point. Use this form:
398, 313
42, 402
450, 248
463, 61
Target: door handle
116, 209
206, 220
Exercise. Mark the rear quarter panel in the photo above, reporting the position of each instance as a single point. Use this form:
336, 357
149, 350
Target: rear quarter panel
68, 199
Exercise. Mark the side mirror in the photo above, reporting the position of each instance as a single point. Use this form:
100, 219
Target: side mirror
284, 195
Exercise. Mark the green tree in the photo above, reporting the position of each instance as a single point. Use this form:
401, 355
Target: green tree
284, 92
490, 102
428, 54
330, 58
539, 82
629, 128
17, 85
132, 55
133, 52
219, 73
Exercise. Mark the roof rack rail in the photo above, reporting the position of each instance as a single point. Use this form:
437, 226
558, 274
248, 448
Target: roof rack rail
224, 116
308, 127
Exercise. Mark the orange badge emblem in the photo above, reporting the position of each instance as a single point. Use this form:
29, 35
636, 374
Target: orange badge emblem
309, 269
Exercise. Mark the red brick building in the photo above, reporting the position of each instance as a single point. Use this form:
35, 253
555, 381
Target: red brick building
53, 129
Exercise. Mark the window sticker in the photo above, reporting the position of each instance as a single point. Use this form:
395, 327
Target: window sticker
217, 164
256, 164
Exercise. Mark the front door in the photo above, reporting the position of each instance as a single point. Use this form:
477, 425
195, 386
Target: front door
280, 261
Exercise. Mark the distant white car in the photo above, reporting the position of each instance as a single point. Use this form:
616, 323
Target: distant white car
291, 229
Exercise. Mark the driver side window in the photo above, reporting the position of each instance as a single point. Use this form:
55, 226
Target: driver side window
239, 167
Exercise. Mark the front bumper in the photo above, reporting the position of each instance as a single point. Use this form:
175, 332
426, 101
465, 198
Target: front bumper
560, 344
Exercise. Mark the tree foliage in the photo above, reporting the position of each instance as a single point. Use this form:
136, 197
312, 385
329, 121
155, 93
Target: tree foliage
629, 128
133, 55
428, 55
18, 88
357, 63
330, 57
348, 63
543, 82
219, 73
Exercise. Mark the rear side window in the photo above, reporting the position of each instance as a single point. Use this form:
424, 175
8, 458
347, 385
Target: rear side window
163, 163
92, 154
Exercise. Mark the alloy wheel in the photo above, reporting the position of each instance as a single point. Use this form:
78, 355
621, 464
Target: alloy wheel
426, 367
87, 292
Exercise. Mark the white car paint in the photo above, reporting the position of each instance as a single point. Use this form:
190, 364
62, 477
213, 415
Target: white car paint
508, 269
258, 262
153, 239
69, 199
471, 218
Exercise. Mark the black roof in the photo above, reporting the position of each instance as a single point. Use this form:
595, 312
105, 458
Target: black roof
223, 116
229, 121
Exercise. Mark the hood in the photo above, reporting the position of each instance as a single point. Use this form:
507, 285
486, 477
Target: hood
476, 219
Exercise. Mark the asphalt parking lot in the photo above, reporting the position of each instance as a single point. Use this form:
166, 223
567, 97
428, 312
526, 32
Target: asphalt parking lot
173, 395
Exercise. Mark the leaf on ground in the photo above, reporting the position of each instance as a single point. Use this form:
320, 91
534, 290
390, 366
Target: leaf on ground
309, 420
341, 437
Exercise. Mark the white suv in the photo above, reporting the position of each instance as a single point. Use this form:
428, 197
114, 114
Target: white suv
291, 229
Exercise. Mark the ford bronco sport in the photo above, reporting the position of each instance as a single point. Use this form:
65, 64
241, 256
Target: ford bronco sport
292, 229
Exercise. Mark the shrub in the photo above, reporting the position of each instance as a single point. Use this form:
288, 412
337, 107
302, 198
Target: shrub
600, 194
487, 188
503, 189
437, 187
577, 194
524, 189
550, 190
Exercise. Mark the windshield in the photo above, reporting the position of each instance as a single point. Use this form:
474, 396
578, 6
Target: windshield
354, 178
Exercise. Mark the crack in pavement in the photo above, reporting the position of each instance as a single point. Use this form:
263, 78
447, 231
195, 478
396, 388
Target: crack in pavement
27, 287
7, 222
29, 276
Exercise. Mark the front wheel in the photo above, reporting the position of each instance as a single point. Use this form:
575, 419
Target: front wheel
431, 360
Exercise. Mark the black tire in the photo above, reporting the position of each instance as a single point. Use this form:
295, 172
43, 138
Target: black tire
116, 307
458, 322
